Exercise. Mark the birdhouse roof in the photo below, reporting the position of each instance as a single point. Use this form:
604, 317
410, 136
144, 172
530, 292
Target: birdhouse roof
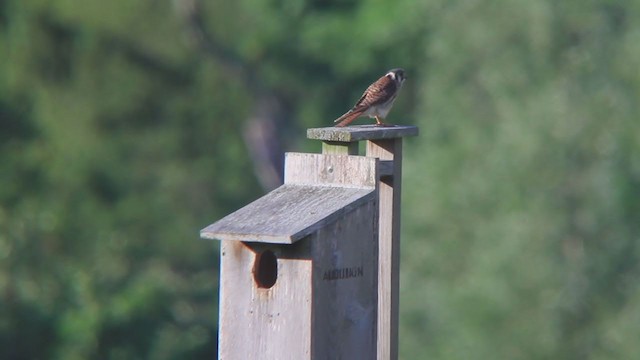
318, 189
288, 214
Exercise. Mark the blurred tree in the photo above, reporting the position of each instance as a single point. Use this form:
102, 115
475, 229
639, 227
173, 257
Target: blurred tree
526, 183
114, 153
126, 126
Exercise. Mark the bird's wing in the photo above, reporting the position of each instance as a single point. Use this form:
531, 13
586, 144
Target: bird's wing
377, 93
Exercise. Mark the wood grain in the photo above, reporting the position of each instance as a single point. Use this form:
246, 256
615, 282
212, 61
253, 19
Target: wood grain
361, 132
287, 214
258, 323
345, 307
389, 246
334, 228
323, 304
332, 170
318, 189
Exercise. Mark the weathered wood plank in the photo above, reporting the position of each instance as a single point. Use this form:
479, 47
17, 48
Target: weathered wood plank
257, 323
318, 189
389, 242
323, 304
361, 132
333, 170
345, 287
287, 214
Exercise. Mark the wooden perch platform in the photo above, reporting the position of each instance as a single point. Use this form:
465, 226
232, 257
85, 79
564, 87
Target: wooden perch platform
361, 132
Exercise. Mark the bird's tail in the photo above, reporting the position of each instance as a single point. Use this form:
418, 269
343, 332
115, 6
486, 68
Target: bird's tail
347, 118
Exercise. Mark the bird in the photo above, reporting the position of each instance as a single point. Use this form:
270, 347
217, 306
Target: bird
377, 100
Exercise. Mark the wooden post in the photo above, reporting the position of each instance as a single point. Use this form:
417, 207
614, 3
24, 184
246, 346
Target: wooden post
389, 246
340, 148
384, 143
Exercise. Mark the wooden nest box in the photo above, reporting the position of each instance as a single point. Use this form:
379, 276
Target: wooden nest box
310, 270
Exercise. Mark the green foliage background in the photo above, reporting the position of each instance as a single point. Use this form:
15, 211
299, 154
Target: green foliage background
120, 139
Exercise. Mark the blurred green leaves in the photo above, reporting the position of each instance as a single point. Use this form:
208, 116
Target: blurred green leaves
515, 197
121, 137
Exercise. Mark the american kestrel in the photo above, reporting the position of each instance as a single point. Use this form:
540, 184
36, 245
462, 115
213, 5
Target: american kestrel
377, 100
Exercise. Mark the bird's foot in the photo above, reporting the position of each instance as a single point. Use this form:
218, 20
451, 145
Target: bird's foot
381, 123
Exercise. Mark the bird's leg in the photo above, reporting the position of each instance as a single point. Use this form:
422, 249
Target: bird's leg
380, 122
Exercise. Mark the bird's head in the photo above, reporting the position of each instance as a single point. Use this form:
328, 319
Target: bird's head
397, 75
